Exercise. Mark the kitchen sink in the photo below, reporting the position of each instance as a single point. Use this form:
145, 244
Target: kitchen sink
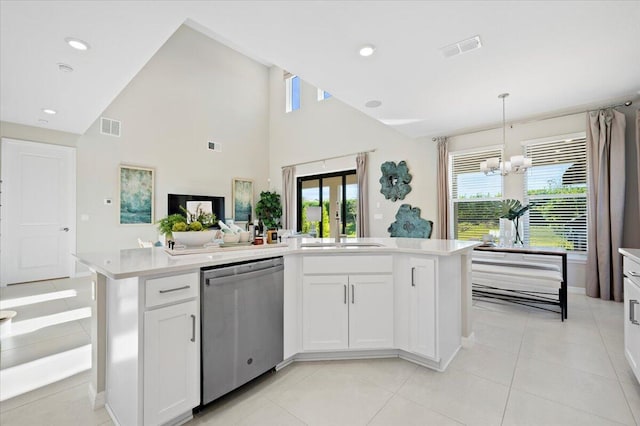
340, 245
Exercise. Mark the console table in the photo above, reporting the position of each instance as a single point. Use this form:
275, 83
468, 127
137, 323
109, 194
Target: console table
522, 275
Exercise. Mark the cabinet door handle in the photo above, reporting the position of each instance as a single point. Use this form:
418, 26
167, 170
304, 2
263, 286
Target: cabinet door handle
345, 294
184, 287
413, 282
353, 294
632, 312
193, 328
634, 273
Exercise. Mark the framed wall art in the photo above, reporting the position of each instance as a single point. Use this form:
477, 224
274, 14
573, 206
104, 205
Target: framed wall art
242, 199
136, 195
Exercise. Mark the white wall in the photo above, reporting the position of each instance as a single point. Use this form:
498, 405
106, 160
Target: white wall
193, 90
331, 128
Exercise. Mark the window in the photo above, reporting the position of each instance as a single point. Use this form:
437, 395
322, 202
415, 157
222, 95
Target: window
322, 95
475, 198
556, 185
332, 192
292, 93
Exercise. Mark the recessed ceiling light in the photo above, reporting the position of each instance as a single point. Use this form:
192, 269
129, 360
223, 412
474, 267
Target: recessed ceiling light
373, 104
49, 111
77, 43
65, 67
367, 50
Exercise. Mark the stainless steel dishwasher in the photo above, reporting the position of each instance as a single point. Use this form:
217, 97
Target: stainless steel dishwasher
242, 323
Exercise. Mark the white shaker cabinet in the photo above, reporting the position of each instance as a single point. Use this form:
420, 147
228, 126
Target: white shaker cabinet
427, 307
631, 268
343, 308
325, 323
171, 368
370, 311
153, 349
422, 307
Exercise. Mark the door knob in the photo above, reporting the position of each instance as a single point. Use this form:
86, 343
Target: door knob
65, 229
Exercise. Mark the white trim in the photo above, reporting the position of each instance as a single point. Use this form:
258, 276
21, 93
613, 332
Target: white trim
556, 138
577, 257
576, 290
96, 399
477, 149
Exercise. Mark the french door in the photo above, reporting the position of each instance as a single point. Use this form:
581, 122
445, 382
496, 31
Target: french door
321, 197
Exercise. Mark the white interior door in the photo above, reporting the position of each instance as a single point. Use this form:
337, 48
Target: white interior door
37, 214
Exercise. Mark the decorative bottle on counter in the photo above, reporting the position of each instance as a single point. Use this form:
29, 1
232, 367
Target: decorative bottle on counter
257, 231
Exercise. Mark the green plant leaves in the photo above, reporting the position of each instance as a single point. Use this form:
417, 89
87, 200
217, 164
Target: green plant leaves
268, 209
512, 209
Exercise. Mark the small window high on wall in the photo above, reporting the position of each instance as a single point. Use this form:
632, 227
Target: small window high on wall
292, 93
556, 186
322, 95
474, 197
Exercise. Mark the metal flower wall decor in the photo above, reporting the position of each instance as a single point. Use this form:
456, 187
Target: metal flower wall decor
409, 223
395, 180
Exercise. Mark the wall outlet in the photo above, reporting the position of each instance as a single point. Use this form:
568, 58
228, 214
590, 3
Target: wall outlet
84, 218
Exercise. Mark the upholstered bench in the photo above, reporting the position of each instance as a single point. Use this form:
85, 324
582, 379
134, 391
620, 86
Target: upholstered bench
521, 276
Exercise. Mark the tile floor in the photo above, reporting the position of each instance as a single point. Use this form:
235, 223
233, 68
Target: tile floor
525, 367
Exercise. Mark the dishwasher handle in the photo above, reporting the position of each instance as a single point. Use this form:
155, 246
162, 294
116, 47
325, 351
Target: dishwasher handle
247, 275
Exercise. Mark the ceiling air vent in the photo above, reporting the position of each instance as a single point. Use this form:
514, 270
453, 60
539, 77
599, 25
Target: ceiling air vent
463, 46
109, 126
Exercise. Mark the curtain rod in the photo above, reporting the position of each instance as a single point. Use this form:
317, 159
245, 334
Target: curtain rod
328, 158
626, 103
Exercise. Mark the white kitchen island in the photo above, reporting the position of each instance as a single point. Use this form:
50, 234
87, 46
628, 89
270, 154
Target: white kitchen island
370, 298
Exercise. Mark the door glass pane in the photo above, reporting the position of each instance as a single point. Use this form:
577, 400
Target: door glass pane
325, 197
332, 200
310, 198
351, 205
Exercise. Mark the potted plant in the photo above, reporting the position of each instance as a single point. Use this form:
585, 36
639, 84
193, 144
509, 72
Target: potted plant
513, 210
175, 227
269, 209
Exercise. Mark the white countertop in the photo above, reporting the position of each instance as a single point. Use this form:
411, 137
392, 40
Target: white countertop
148, 261
633, 253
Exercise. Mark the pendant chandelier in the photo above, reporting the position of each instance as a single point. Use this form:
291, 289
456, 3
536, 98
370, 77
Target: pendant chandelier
517, 164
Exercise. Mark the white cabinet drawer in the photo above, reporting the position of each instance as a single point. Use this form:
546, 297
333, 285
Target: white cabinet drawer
347, 264
160, 291
631, 269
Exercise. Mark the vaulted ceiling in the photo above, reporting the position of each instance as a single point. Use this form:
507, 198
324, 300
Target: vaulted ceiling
553, 57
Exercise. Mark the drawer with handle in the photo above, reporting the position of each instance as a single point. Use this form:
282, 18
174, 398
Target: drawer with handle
171, 289
631, 269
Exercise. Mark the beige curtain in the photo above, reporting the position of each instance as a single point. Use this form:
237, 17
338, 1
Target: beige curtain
443, 188
605, 146
363, 195
638, 151
289, 197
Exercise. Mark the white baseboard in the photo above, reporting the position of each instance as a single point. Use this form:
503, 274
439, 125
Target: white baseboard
577, 290
469, 340
96, 399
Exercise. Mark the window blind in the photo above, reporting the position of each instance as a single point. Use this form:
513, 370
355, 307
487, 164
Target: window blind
556, 188
475, 198
467, 181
